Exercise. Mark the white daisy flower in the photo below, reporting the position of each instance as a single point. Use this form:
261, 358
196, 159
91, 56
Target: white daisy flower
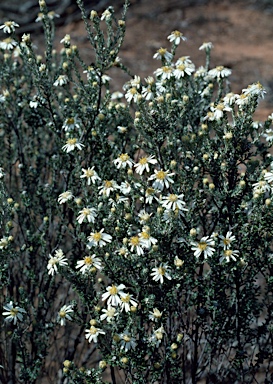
64, 197
92, 334
242, 100
117, 95
261, 187
147, 93
144, 216
146, 240
229, 99
4, 243
175, 37
123, 161
219, 72
127, 341
173, 201
162, 53
71, 123
157, 336
161, 179
136, 245
161, 272
206, 46
91, 175
125, 187
64, 314
121, 129
66, 40
98, 239
255, 89
87, 213
88, 262
13, 313
150, 195
227, 240
165, 72
9, 26
203, 246
184, 60
106, 15
143, 164
109, 314
229, 254
61, 80
132, 94
127, 302
155, 315
108, 187
114, 294
72, 144
182, 70
57, 260
8, 44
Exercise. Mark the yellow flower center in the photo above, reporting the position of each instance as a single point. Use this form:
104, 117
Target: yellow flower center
220, 107
176, 33
202, 245
122, 251
149, 191
14, 312
134, 240
161, 271
88, 260
181, 67
71, 141
62, 314
126, 299
113, 290
70, 120
8, 40
228, 252
161, 175
133, 91
162, 51
143, 161
97, 236
8, 23
93, 330
226, 241
89, 173
145, 235
86, 211
219, 68
111, 312
108, 184
124, 157
166, 69
126, 338
173, 198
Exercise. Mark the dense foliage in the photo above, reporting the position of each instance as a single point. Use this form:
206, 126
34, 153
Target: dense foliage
136, 226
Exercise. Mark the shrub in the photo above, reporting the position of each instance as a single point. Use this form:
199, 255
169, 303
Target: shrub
136, 227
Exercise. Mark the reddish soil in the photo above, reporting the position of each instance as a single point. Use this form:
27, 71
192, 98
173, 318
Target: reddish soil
241, 35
